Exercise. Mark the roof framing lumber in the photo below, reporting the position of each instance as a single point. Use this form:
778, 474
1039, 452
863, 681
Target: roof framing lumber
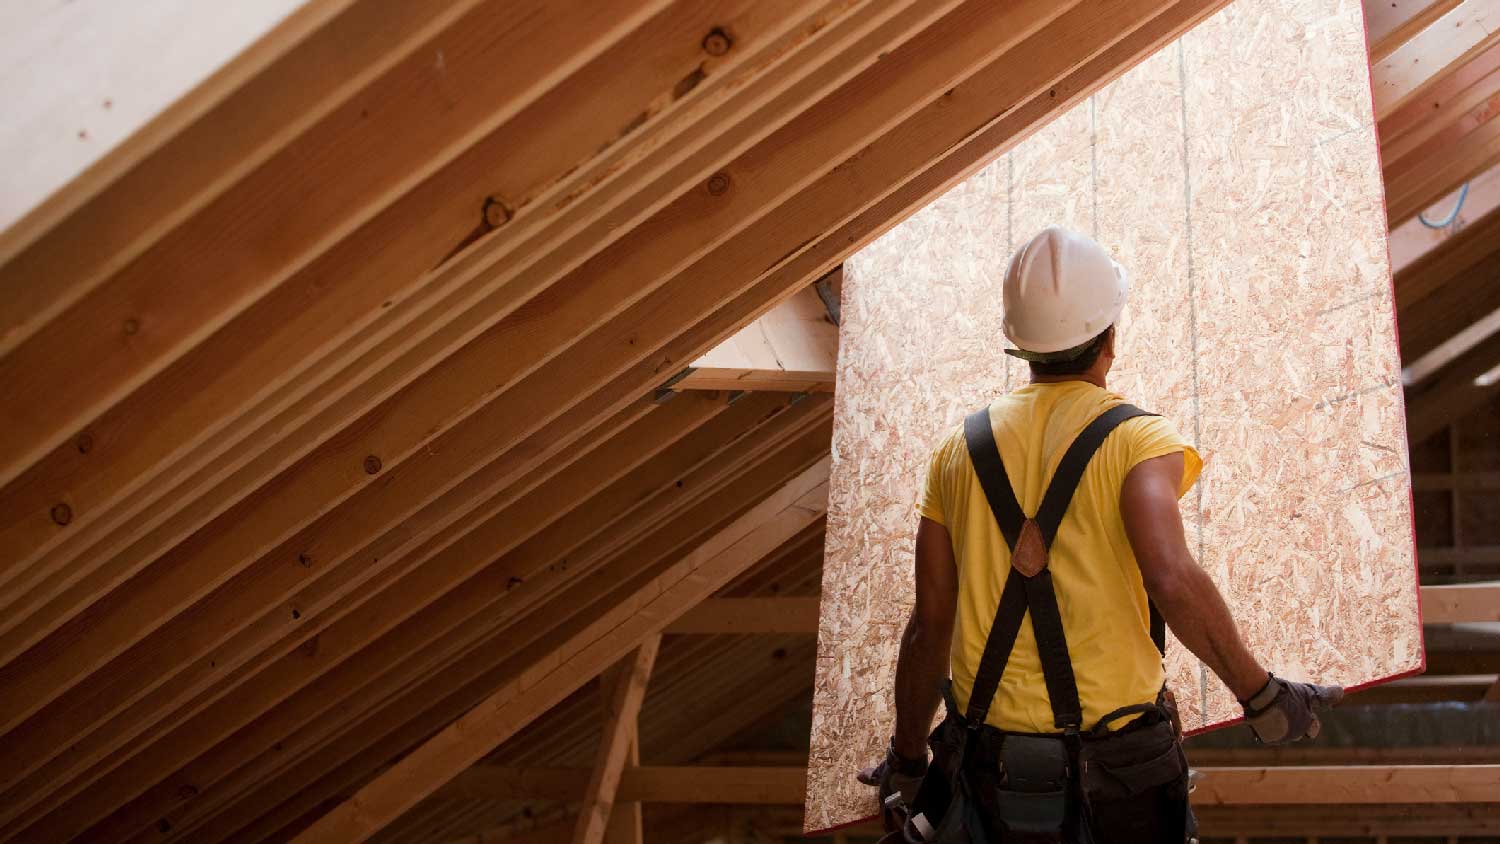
1226, 786
167, 479
1464, 31
1391, 23
780, 275
420, 410
695, 431
1461, 603
168, 417
177, 157
627, 689
1160, 30
752, 615
1449, 308
1370, 784
445, 646
1453, 97
154, 308
792, 347
1452, 393
982, 33
770, 523
1413, 191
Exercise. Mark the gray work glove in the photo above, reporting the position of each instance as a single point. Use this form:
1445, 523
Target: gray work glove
1284, 712
896, 774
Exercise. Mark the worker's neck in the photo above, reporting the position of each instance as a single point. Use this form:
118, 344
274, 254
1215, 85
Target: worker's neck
1093, 376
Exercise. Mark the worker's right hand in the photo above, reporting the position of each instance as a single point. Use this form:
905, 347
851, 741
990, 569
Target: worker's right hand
1284, 712
895, 774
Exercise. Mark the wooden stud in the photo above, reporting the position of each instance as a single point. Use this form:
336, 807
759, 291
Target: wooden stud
628, 690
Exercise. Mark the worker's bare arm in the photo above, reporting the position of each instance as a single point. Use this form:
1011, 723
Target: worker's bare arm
923, 662
1185, 594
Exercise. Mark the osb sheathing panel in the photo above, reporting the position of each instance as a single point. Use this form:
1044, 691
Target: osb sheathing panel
1235, 174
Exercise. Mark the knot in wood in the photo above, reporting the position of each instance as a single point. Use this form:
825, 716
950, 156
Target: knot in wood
716, 42
372, 465
62, 513
718, 184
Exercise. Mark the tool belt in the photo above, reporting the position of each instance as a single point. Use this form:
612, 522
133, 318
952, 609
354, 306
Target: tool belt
988, 785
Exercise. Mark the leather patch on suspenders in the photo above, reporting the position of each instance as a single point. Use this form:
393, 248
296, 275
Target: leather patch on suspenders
1030, 555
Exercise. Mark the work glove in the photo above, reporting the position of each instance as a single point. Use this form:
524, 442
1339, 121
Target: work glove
1283, 712
896, 774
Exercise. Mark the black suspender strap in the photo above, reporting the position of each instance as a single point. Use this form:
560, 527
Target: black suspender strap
1034, 593
980, 438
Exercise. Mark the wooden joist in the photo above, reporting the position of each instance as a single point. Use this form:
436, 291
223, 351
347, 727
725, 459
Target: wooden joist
1465, 93
606, 638
1461, 603
1466, 29
745, 785
791, 348
1220, 786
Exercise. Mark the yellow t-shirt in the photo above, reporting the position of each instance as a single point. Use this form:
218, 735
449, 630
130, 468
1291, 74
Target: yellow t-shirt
1098, 582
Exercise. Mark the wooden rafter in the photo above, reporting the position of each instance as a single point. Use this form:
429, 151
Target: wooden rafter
646, 613
622, 515
750, 615
1430, 53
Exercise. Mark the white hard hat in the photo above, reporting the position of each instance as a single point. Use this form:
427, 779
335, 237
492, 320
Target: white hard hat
1061, 291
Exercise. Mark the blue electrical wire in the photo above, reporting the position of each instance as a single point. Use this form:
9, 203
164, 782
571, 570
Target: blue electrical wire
1463, 193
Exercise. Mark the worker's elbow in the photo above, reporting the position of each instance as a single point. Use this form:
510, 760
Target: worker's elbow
1166, 584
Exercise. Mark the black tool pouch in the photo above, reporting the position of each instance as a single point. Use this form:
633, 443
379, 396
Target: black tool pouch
1121, 766
1139, 770
1032, 795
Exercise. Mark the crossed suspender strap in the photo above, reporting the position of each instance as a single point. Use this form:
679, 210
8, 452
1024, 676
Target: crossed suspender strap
1035, 592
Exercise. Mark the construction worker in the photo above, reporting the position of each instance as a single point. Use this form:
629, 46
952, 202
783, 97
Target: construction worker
1060, 728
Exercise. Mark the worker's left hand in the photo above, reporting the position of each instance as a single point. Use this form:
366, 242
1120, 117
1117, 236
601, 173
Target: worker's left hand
894, 774
1283, 712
